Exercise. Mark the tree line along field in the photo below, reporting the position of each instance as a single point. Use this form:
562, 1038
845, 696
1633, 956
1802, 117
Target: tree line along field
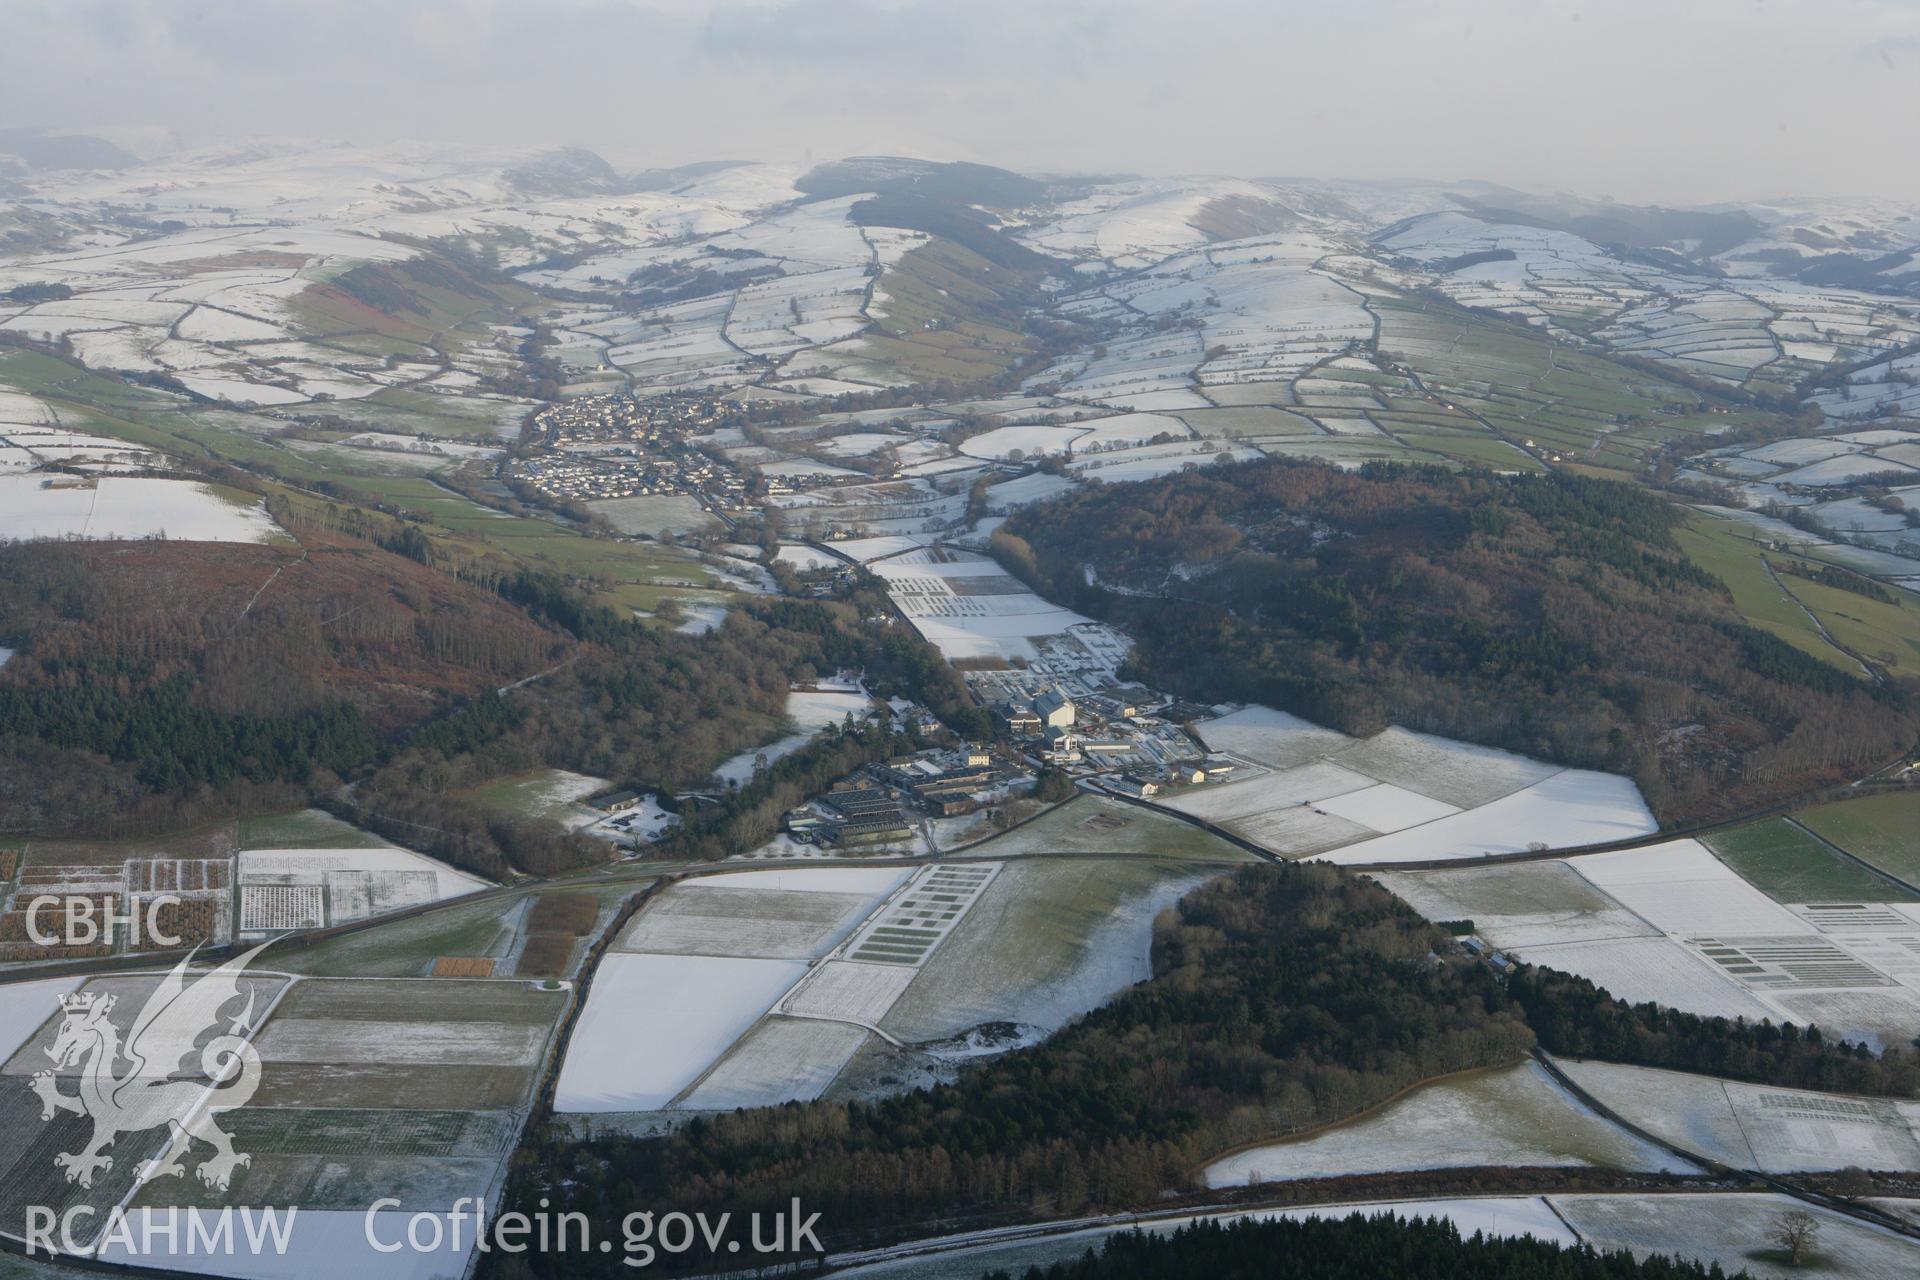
1621, 1239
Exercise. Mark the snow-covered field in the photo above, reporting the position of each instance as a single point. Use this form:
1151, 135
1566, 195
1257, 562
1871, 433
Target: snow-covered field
1670, 923
26, 1005
805, 558
1049, 940
1401, 796
1681, 888
967, 621
1521, 905
654, 1022
1572, 808
1727, 1230
331, 1239
768, 924
33, 507
686, 983
811, 712
1640, 969
780, 1060
1004, 443
280, 888
868, 880
448, 882
847, 991
1515, 1116
1752, 1126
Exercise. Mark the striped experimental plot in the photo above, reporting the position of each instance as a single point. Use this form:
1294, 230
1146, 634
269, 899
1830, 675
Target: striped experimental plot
862, 982
915, 923
1796, 962
1845, 917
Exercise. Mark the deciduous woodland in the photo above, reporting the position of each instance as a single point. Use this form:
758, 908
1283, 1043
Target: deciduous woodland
1283, 997
165, 683
1550, 615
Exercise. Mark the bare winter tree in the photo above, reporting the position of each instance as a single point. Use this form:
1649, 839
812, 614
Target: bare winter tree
1794, 1233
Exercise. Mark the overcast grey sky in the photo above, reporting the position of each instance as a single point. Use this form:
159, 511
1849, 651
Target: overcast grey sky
1676, 100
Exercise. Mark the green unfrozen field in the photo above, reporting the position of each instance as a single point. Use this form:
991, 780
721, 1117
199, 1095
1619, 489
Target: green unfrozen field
334, 1131
1788, 865
426, 412
535, 542
400, 1001
1719, 548
1886, 632
212, 841
1883, 830
1089, 824
1250, 421
305, 829
441, 1086
1338, 448
1527, 386
356, 459
1475, 450
542, 793
407, 948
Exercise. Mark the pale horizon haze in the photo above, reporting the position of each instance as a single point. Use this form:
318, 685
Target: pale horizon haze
1696, 102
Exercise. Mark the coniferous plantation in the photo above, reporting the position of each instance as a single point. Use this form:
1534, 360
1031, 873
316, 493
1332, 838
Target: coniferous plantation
1283, 998
1574, 1017
1352, 1248
1554, 616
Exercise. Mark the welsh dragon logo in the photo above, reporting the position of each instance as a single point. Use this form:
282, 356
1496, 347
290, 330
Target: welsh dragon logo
150, 1093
